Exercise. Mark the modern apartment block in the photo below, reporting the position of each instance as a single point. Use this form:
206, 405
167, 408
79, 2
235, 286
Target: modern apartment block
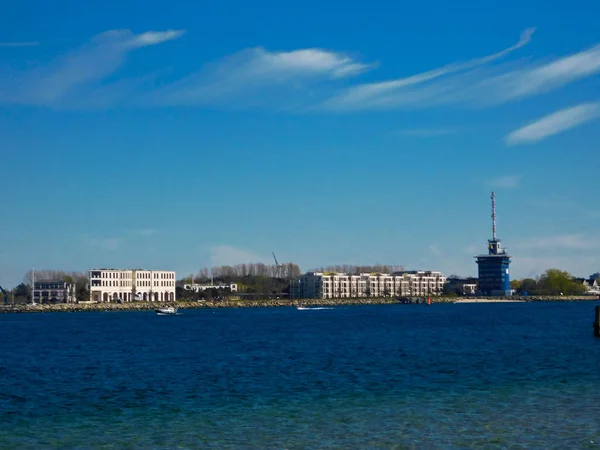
53, 292
127, 285
341, 285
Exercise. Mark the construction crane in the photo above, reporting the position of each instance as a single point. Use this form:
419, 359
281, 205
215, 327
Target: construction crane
278, 266
5, 294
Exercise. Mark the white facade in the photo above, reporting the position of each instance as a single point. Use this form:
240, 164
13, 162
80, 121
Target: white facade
592, 286
113, 285
469, 289
341, 285
233, 287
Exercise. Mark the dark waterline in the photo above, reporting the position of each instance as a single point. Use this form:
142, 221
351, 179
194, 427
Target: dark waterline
401, 376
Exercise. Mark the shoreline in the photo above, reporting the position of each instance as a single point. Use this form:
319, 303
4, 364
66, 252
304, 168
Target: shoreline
270, 303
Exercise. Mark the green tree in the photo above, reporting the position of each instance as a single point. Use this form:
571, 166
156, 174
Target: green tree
529, 285
23, 291
516, 285
447, 290
82, 289
559, 282
4, 299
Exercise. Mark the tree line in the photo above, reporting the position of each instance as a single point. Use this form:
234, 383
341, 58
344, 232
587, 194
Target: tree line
551, 282
357, 270
227, 274
251, 279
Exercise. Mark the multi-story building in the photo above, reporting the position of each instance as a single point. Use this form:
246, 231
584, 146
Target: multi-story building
126, 285
341, 285
462, 286
592, 286
493, 268
53, 291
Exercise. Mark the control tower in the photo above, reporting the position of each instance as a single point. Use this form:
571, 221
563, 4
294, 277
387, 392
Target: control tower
494, 278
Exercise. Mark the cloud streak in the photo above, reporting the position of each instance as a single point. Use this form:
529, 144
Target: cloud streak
145, 232
222, 255
19, 44
257, 77
108, 244
68, 78
306, 79
506, 181
476, 83
575, 241
428, 132
555, 123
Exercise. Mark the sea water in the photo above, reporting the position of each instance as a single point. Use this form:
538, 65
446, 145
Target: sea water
520, 375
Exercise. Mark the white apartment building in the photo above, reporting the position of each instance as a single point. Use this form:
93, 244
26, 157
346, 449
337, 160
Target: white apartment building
127, 285
341, 285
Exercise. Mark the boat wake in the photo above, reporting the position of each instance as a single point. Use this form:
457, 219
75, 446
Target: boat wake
307, 308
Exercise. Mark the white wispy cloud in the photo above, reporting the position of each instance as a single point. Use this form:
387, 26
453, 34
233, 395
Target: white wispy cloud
473, 248
222, 255
478, 82
302, 79
505, 181
533, 266
256, 76
555, 123
151, 37
415, 88
427, 132
574, 241
19, 44
103, 243
69, 77
546, 77
145, 231
435, 249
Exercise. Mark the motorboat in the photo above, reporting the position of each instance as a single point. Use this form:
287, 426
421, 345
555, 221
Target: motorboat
168, 311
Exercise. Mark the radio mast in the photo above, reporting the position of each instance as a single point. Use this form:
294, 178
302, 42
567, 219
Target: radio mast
493, 216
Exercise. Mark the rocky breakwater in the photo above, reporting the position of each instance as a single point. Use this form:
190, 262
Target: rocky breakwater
268, 303
513, 298
80, 307
271, 303
183, 304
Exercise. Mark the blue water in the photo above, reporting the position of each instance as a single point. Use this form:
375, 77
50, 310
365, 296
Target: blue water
404, 376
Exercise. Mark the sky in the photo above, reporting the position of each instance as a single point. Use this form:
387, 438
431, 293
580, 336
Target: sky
181, 135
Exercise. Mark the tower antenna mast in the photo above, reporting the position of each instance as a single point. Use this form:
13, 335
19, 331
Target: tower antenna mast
494, 216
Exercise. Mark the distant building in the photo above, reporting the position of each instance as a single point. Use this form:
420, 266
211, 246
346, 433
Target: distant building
233, 287
54, 291
463, 286
127, 285
494, 277
341, 285
592, 286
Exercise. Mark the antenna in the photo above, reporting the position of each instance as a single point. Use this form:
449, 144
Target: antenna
494, 216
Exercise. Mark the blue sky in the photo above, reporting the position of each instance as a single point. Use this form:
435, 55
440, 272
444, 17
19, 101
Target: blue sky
142, 134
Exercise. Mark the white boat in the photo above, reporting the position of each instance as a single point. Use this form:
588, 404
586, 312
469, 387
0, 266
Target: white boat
168, 311
311, 308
